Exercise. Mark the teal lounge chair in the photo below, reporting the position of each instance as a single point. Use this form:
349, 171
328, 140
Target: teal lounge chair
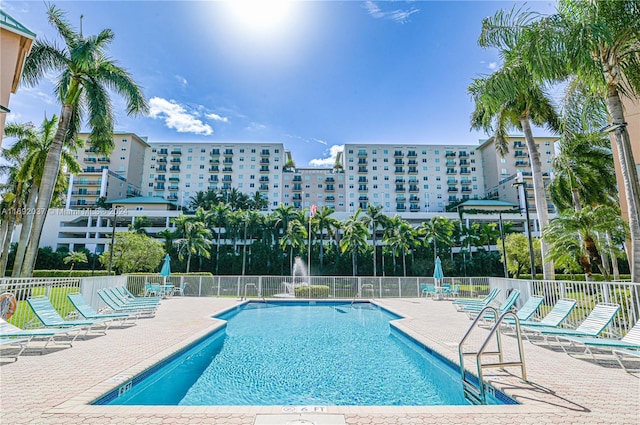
506, 306
16, 343
50, 318
461, 303
599, 318
9, 331
631, 341
428, 290
622, 355
88, 312
554, 318
127, 295
106, 297
125, 301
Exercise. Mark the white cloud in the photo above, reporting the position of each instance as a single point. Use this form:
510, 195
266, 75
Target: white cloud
13, 117
216, 117
177, 117
322, 142
330, 160
255, 126
397, 15
183, 81
492, 65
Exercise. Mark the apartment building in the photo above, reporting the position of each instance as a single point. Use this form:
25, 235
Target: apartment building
500, 172
177, 171
304, 187
116, 176
410, 178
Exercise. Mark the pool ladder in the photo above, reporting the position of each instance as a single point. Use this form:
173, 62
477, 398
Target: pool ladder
246, 285
367, 286
475, 389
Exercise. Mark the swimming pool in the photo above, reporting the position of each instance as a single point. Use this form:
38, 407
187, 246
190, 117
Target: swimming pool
300, 353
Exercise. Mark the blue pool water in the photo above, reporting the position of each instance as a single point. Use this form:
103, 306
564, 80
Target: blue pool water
300, 354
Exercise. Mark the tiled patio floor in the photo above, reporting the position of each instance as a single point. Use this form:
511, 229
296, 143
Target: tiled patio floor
54, 388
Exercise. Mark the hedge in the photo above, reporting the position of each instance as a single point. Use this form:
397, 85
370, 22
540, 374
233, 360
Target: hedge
66, 273
575, 277
312, 291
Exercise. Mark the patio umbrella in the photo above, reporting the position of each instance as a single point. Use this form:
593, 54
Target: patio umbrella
166, 267
437, 272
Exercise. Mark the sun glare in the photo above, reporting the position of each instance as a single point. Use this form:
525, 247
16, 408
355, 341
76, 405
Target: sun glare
261, 16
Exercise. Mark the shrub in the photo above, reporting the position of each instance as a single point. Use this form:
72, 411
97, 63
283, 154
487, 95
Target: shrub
65, 273
312, 291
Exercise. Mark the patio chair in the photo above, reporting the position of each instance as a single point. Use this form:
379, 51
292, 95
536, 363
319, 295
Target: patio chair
179, 290
88, 312
121, 301
507, 305
451, 292
142, 311
622, 354
460, 303
631, 341
9, 331
554, 318
599, 318
428, 290
16, 343
50, 318
126, 294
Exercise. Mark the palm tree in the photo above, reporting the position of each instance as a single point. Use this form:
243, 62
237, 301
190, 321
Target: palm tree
220, 214
195, 238
438, 229
585, 225
139, 224
583, 171
169, 236
354, 239
374, 219
510, 98
320, 222
402, 239
597, 41
258, 202
75, 257
86, 75
293, 238
487, 234
33, 145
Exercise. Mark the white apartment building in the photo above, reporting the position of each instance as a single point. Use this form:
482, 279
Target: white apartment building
304, 187
177, 171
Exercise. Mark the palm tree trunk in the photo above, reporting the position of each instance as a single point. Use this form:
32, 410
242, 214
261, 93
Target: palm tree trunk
548, 269
629, 177
614, 258
188, 261
25, 231
373, 236
354, 264
6, 246
47, 186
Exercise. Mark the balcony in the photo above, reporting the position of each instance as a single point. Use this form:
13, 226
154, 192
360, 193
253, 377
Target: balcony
329, 188
86, 192
175, 168
212, 187
227, 169
159, 187
228, 161
522, 163
401, 198
330, 198
450, 154
161, 160
175, 161
214, 169
518, 144
264, 160
297, 178
176, 152
91, 160
463, 154
329, 179
88, 150
226, 186
214, 161
215, 152
412, 154
264, 179
298, 187
363, 198
399, 180
88, 183
174, 187
363, 180
362, 152
264, 169
398, 153
401, 208
228, 152
452, 181
452, 189
520, 154
465, 181
160, 178
297, 197
83, 203
451, 171
161, 168
90, 170
265, 152
412, 162
363, 170
413, 188
163, 152
104, 160
400, 188
413, 170
226, 179
414, 208
398, 162
174, 179
463, 162
263, 187
451, 163
213, 179
363, 188
399, 170
172, 197
465, 171
466, 190
414, 199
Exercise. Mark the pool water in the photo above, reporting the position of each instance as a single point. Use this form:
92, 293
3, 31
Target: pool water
300, 354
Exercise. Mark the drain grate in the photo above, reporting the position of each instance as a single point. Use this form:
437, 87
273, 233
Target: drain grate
299, 419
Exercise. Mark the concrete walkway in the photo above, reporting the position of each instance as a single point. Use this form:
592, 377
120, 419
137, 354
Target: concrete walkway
55, 388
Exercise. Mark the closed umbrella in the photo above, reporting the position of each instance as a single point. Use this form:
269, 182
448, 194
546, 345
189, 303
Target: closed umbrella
165, 272
437, 272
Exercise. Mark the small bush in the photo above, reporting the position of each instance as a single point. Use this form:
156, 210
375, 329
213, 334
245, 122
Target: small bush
312, 291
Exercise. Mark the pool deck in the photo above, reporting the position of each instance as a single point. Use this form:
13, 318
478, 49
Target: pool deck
55, 388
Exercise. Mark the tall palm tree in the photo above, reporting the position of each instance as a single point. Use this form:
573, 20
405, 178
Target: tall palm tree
194, 238
86, 75
354, 239
585, 225
402, 239
220, 213
374, 219
488, 233
294, 238
583, 171
597, 41
510, 98
438, 229
33, 146
321, 222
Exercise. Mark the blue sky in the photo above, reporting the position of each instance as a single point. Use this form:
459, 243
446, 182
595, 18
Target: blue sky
312, 75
